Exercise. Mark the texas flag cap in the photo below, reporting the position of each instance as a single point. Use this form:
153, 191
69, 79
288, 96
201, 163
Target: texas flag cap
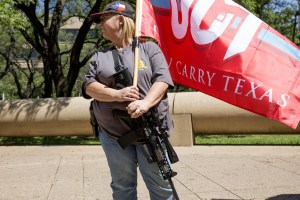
117, 7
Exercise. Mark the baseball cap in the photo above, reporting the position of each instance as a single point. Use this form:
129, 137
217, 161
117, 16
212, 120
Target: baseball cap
117, 7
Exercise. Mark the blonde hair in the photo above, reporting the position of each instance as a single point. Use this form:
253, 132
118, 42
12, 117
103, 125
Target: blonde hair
128, 29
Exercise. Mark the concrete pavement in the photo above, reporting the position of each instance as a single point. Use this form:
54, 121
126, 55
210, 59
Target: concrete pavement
204, 172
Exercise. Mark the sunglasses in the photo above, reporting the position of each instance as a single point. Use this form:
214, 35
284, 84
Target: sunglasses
105, 17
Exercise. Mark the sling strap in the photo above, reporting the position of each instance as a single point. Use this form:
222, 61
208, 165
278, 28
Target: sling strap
122, 74
117, 60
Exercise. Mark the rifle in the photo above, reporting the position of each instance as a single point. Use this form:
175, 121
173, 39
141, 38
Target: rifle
154, 151
154, 136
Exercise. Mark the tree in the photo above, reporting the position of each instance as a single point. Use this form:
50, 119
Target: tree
284, 17
46, 19
281, 15
11, 46
25, 76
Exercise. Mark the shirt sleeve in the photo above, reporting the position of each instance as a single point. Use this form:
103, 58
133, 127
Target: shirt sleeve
90, 76
160, 68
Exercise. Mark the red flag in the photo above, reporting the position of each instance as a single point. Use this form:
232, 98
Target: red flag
221, 49
149, 26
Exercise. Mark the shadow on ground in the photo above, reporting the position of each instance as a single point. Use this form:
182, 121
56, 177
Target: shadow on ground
285, 197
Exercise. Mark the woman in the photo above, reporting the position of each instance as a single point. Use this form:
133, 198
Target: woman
117, 25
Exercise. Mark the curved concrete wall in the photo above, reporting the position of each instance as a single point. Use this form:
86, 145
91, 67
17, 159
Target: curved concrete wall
45, 117
193, 112
211, 115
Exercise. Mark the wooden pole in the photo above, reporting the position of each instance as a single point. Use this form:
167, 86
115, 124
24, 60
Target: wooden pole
137, 34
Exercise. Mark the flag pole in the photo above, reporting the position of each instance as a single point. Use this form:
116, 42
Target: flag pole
136, 42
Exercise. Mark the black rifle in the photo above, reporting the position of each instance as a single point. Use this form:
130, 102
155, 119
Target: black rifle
154, 138
154, 151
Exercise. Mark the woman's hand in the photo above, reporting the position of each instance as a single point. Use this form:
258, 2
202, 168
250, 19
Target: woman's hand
136, 108
130, 93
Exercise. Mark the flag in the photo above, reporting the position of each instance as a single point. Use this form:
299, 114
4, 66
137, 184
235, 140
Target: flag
221, 49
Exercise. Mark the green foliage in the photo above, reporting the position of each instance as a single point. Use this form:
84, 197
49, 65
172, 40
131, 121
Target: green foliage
7, 88
248, 4
9, 17
32, 90
281, 15
21, 77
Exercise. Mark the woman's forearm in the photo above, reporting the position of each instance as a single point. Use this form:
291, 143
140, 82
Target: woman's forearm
156, 92
101, 92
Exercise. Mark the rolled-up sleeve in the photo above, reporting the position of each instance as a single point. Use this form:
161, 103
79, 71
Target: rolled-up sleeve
90, 76
160, 68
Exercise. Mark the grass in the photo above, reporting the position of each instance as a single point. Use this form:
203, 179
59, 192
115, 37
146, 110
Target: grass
259, 139
49, 140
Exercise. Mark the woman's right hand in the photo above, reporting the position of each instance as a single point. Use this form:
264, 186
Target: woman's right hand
130, 93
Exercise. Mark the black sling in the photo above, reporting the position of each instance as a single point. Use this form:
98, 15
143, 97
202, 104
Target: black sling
122, 74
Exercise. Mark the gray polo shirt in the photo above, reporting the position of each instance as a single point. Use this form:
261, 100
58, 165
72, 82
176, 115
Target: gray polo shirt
152, 68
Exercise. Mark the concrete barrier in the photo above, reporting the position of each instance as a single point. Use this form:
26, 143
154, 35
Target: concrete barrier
192, 113
45, 117
213, 116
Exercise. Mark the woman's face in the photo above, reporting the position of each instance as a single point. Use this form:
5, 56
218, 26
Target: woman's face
110, 25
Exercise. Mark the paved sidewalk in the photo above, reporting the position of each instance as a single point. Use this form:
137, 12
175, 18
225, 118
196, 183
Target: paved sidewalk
204, 172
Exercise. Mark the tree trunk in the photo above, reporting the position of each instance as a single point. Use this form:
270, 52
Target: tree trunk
45, 41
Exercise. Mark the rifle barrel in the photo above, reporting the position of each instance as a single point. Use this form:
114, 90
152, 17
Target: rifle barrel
173, 189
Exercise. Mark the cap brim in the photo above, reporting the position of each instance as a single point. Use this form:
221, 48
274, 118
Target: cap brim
96, 16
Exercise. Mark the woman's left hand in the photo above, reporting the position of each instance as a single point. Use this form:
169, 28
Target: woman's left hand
136, 108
